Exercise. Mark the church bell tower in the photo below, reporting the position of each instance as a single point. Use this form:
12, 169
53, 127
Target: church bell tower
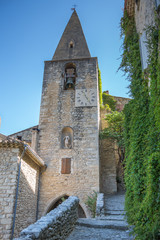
69, 121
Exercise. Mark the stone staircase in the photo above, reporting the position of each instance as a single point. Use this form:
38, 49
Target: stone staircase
109, 226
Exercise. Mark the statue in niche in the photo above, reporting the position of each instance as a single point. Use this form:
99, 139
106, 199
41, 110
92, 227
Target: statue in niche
67, 142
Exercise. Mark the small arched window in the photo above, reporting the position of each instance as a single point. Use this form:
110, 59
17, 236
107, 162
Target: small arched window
70, 76
71, 44
67, 138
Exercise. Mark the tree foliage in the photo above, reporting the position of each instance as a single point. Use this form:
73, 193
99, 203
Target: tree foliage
109, 102
114, 131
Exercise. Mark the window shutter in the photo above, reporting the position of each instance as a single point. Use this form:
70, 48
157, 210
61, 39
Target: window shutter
66, 166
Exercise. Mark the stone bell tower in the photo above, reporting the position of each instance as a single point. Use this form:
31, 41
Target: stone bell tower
69, 121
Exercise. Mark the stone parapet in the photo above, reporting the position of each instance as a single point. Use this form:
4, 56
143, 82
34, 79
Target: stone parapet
57, 224
100, 205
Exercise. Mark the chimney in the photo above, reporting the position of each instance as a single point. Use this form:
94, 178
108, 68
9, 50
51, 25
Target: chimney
34, 142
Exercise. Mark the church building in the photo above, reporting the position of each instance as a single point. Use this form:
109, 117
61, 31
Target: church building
69, 121
59, 157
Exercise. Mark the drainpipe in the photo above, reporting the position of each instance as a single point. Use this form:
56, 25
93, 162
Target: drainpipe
15, 206
42, 169
38, 194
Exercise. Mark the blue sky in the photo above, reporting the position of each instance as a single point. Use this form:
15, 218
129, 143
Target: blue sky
30, 31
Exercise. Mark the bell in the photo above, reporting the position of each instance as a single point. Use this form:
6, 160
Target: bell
70, 83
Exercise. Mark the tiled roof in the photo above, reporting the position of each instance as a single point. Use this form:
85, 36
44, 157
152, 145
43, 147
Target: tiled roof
24, 130
15, 143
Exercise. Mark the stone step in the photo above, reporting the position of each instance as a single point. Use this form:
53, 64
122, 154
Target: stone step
87, 233
97, 223
114, 212
114, 202
112, 217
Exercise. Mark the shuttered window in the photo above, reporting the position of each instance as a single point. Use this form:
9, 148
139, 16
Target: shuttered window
66, 166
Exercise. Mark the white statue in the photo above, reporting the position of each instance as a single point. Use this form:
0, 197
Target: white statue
67, 142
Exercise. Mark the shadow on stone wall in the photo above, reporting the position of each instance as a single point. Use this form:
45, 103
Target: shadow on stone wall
26, 204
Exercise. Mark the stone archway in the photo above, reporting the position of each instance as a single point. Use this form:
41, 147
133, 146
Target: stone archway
56, 201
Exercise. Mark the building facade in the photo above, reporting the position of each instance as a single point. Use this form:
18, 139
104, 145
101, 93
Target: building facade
20, 167
69, 120
67, 139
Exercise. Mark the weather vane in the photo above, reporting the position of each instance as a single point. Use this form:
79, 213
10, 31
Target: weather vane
74, 7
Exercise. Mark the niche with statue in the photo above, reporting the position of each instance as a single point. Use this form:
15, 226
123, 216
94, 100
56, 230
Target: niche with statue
67, 138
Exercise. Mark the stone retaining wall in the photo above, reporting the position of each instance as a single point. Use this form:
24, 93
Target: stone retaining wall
57, 224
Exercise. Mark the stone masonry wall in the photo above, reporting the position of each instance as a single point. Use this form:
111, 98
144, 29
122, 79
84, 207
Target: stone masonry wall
121, 102
110, 169
8, 183
108, 166
27, 197
144, 14
57, 224
58, 111
108, 160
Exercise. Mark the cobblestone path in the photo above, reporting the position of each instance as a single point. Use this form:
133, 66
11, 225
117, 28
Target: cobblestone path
111, 226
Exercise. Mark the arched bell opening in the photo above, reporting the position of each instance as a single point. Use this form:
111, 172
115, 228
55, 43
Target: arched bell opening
59, 200
70, 76
71, 44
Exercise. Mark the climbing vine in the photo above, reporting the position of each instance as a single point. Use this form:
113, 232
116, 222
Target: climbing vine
142, 131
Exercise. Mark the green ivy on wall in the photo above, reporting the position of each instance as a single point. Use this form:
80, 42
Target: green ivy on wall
100, 87
142, 132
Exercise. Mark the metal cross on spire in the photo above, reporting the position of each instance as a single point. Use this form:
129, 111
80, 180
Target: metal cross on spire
74, 7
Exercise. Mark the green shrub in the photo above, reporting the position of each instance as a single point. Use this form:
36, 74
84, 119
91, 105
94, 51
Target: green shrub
109, 101
91, 203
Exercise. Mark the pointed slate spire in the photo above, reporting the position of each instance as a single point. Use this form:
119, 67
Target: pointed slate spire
72, 43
